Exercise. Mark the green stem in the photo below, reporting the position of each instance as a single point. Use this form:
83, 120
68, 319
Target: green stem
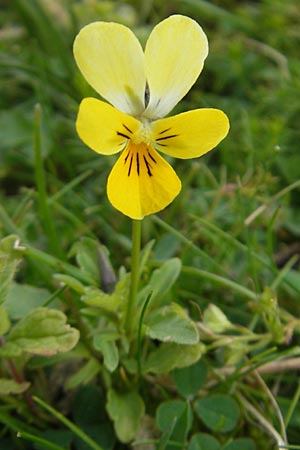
135, 272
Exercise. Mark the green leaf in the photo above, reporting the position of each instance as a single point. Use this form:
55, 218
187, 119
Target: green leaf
4, 320
10, 258
88, 405
107, 346
85, 251
23, 298
69, 281
166, 247
85, 374
161, 281
241, 444
109, 302
215, 319
8, 386
41, 332
175, 412
169, 356
126, 410
218, 412
189, 379
170, 323
145, 255
203, 441
92, 258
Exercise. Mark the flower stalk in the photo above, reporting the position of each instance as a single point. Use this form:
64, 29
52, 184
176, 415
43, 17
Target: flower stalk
135, 273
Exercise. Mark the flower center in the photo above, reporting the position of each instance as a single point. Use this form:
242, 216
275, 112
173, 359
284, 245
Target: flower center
144, 134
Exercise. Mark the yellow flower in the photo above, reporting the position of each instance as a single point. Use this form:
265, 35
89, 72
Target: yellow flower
143, 87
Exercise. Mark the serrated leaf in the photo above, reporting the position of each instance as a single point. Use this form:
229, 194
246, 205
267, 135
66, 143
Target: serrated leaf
41, 332
161, 281
109, 302
170, 323
107, 346
169, 356
203, 441
218, 412
126, 410
8, 386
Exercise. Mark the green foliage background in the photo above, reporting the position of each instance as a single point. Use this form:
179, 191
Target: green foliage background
222, 260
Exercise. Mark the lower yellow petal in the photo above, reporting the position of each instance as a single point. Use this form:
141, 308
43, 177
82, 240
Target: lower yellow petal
141, 182
190, 134
103, 128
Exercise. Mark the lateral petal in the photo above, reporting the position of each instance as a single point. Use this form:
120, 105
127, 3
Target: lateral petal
141, 182
190, 134
102, 127
111, 60
174, 57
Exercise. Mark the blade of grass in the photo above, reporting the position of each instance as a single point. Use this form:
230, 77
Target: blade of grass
45, 30
239, 245
37, 440
222, 281
186, 241
293, 406
69, 186
271, 200
286, 268
61, 418
290, 447
40, 179
263, 422
56, 263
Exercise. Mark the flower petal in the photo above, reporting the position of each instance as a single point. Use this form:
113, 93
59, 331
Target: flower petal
190, 134
111, 60
174, 57
141, 182
102, 127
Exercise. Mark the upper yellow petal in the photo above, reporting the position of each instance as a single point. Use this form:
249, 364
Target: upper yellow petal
111, 59
174, 57
104, 128
190, 134
141, 182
